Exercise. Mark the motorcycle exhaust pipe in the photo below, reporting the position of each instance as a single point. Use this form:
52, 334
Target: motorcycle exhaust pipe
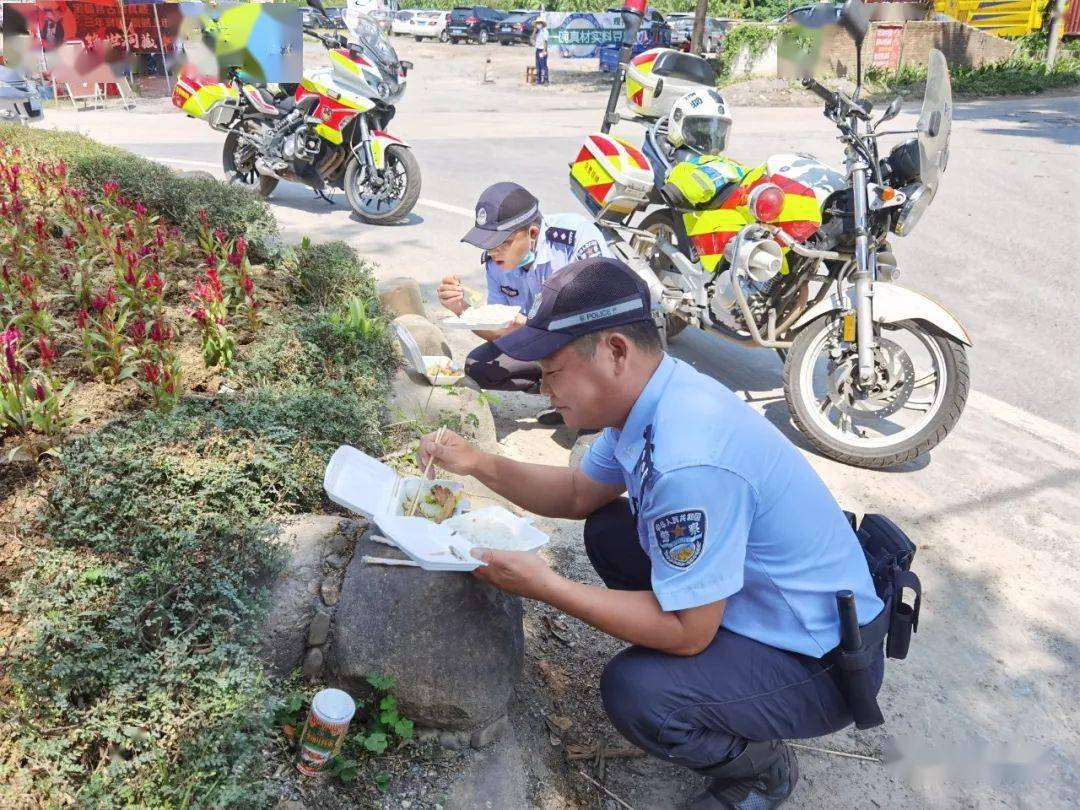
632, 14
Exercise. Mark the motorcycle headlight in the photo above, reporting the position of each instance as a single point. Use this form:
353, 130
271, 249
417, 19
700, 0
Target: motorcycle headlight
384, 89
919, 197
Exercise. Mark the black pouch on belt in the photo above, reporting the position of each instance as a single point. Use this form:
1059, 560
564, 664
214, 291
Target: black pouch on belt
889, 553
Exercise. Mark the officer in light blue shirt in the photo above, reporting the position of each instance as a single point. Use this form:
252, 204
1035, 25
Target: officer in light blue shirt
722, 563
522, 249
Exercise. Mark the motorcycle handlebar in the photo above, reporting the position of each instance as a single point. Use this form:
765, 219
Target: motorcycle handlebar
820, 90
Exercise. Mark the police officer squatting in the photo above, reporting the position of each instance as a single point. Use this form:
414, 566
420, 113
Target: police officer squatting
522, 248
742, 588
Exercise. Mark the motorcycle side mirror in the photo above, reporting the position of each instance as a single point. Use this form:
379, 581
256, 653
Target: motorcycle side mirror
318, 6
891, 111
855, 20
406, 67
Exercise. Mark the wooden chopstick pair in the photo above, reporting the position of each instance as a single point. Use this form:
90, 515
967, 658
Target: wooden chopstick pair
427, 469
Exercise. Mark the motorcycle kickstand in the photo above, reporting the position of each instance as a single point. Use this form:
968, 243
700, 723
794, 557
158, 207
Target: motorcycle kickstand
322, 195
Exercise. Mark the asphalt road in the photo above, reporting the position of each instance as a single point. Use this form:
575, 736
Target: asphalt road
996, 246
994, 509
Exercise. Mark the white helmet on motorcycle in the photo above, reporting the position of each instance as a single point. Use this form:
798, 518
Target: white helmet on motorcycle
699, 121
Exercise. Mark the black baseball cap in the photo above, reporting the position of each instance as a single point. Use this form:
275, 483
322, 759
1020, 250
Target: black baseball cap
584, 296
502, 209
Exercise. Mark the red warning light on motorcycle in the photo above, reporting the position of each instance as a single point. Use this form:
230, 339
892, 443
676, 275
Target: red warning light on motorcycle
767, 202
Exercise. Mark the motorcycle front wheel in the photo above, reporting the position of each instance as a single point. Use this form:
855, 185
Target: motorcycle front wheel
394, 198
238, 161
920, 391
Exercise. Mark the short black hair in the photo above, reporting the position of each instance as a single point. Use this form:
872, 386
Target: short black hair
643, 334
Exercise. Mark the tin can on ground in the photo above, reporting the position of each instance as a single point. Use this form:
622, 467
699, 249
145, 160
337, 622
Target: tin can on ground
324, 730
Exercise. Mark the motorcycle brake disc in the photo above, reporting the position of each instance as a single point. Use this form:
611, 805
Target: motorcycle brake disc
889, 393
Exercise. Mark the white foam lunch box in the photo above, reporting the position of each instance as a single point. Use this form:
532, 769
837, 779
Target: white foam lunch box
365, 485
427, 365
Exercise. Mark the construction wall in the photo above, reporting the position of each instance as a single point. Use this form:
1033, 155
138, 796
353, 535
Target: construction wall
890, 45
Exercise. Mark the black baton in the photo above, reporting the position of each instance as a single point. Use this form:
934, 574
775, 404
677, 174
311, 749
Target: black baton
854, 663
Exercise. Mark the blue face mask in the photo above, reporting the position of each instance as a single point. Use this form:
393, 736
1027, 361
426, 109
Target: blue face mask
530, 257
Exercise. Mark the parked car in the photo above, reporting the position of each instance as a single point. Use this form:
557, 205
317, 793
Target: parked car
682, 30
517, 28
402, 22
478, 23
431, 24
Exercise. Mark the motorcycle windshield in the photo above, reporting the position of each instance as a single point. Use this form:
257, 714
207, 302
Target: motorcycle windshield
935, 121
373, 40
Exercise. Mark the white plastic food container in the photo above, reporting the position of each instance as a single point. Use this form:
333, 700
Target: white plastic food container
431, 366
365, 485
488, 316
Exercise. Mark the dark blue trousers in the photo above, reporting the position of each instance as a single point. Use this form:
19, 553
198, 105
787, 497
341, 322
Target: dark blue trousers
541, 67
701, 710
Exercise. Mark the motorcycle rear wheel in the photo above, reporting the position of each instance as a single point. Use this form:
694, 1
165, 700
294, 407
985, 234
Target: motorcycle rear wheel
401, 169
243, 173
659, 224
872, 411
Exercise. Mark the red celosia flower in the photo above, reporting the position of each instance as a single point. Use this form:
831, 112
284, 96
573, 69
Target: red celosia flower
110, 295
153, 282
39, 227
27, 282
199, 315
36, 306
46, 353
219, 234
39, 392
65, 271
110, 187
151, 373
10, 339
99, 303
202, 217
129, 232
159, 332
211, 260
81, 318
139, 209
129, 277
69, 243
247, 284
137, 331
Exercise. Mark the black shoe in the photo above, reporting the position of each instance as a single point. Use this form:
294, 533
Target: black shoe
550, 417
763, 776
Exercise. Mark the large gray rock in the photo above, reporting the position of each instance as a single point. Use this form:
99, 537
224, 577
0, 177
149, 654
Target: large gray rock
412, 397
427, 335
401, 295
453, 645
294, 592
461, 341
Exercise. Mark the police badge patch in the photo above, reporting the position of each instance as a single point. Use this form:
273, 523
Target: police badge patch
588, 250
680, 536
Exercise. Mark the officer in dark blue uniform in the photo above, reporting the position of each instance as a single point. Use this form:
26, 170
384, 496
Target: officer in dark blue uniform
522, 249
722, 564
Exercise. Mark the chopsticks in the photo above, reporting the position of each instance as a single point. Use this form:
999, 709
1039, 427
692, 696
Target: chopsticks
427, 469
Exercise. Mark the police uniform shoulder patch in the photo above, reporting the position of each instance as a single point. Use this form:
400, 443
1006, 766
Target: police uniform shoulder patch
561, 236
588, 250
680, 536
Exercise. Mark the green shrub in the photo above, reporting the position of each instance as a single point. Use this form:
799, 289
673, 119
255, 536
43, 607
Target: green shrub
237, 210
136, 681
1019, 75
327, 274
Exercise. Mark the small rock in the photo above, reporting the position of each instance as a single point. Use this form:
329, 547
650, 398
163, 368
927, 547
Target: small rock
406, 804
452, 740
338, 544
313, 662
483, 737
319, 630
337, 560
427, 335
331, 591
401, 295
